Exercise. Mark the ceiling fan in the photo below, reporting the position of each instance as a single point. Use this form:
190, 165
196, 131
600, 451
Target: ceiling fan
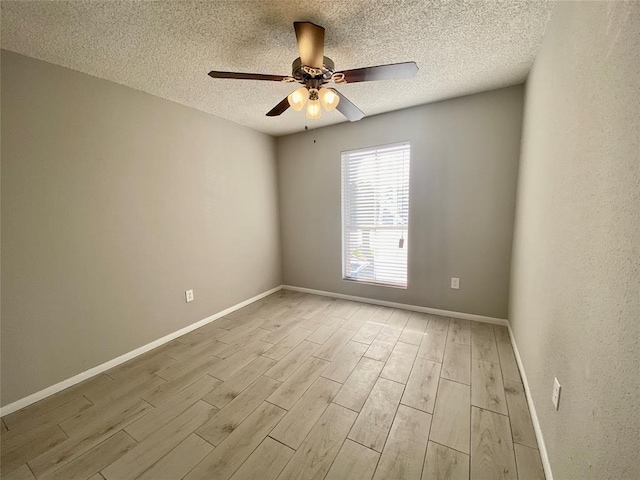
313, 70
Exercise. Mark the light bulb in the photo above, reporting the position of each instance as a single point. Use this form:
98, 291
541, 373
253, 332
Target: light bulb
329, 98
313, 109
298, 98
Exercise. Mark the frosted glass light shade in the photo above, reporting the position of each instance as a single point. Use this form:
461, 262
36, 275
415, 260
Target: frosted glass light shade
328, 98
298, 98
314, 110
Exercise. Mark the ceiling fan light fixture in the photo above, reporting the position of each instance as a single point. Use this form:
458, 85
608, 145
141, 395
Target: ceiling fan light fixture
314, 111
328, 98
298, 98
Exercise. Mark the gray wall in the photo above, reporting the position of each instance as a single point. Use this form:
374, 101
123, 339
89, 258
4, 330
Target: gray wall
115, 202
464, 162
575, 291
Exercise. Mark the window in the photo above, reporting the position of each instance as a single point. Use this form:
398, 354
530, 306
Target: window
375, 214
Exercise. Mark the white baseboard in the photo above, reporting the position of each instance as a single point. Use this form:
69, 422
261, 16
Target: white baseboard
532, 409
414, 308
35, 397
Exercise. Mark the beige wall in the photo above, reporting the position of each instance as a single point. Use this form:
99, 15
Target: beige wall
115, 202
464, 162
575, 291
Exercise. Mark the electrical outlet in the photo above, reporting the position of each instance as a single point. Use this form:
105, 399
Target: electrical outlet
555, 398
455, 283
188, 295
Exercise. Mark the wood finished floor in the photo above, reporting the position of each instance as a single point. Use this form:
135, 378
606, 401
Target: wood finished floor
293, 387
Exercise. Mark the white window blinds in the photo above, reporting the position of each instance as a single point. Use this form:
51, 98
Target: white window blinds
375, 214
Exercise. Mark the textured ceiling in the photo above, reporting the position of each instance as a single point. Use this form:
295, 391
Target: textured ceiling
167, 48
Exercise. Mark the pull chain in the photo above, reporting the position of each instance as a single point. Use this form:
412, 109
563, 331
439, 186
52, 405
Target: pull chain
313, 131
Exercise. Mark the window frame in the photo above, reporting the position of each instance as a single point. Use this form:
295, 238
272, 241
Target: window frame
342, 215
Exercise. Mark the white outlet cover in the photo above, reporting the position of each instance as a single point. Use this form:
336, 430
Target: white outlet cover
188, 296
455, 283
555, 397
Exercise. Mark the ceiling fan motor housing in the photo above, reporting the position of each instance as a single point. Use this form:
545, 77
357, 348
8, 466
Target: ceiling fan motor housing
310, 76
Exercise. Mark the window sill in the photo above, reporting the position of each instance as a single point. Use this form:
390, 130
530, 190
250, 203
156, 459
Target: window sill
375, 284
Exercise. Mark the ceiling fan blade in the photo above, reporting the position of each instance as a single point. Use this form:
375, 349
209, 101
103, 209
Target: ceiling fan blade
279, 108
310, 43
348, 109
249, 76
381, 72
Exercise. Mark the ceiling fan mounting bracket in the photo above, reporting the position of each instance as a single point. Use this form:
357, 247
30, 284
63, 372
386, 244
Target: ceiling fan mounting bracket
338, 78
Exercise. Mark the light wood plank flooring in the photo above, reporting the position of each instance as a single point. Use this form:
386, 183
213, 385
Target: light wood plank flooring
293, 386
